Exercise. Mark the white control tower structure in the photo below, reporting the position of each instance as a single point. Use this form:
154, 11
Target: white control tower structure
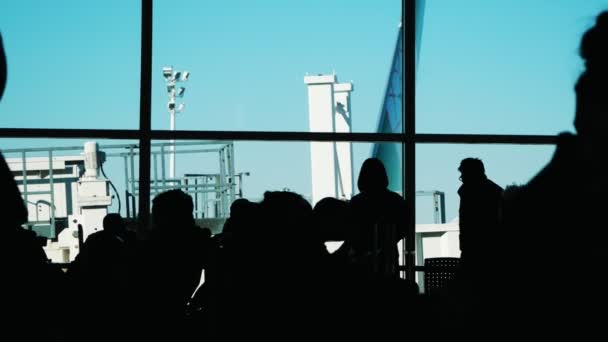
329, 110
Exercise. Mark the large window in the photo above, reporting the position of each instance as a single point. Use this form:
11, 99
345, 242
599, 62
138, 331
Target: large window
95, 71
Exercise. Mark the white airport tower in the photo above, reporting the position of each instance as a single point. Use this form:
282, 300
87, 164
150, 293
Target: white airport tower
329, 110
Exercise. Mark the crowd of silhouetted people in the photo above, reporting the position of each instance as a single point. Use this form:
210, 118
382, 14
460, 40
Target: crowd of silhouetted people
532, 257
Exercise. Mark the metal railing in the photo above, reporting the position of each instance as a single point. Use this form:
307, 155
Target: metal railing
212, 193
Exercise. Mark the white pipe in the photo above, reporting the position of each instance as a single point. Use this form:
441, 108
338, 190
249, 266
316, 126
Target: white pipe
172, 147
91, 164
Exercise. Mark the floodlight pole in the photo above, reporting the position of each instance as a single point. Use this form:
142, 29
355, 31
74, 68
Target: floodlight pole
172, 146
173, 77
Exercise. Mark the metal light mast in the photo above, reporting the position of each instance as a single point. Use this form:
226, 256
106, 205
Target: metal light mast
172, 77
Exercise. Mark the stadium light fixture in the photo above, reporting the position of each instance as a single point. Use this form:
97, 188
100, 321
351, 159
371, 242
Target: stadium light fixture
171, 78
185, 76
167, 72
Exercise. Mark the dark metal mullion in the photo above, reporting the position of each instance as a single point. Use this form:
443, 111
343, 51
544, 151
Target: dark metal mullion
145, 99
409, 118
276, 136
486, 139
427, 138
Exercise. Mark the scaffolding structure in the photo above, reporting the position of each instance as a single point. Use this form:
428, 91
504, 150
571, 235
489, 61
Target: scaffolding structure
45, 179
212, 193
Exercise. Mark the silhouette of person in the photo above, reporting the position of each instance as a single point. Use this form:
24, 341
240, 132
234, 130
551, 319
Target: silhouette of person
106, 251
242, 221
363, 300
561, 252
109, 246
333, 219
101, 275
479, 212
277, 289
226, 256
25, 267
379, 222
29, 284
241, 212
172, 262
23, 259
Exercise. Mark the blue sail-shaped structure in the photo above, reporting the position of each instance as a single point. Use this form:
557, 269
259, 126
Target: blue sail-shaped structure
391, 118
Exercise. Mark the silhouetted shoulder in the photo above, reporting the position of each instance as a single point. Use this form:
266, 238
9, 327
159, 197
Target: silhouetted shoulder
494, 188
395, 197
385, 198
566, 160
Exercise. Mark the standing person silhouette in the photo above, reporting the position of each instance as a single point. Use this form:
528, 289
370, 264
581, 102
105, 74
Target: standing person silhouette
171, 264
557, 242
480, 206
24, 267
379, 222
102, 276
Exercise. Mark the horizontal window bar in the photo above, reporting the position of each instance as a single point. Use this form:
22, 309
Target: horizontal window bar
280, 136
486, 139
276, 136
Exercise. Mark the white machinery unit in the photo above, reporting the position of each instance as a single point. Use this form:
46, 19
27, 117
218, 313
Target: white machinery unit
93, 191
63, 193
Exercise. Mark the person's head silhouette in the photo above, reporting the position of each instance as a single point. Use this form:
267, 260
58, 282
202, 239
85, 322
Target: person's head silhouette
242, 213
287, 217
172, 210
333, 219
372, 176
591, 120
471, 170
113, 223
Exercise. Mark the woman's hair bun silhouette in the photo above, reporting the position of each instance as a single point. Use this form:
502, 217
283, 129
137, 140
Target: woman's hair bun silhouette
594, 45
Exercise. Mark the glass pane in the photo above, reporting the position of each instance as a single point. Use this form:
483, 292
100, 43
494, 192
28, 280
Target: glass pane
437, 184
71, 64
67, 183
247, 169
507, 68
255, 65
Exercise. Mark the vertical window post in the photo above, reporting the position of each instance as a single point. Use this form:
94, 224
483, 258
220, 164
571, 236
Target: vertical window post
409, 118
145, 100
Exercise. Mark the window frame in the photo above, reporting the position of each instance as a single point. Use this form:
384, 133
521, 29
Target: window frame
408, 138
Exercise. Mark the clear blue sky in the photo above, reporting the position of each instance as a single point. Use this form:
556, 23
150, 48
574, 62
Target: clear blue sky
485, 67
